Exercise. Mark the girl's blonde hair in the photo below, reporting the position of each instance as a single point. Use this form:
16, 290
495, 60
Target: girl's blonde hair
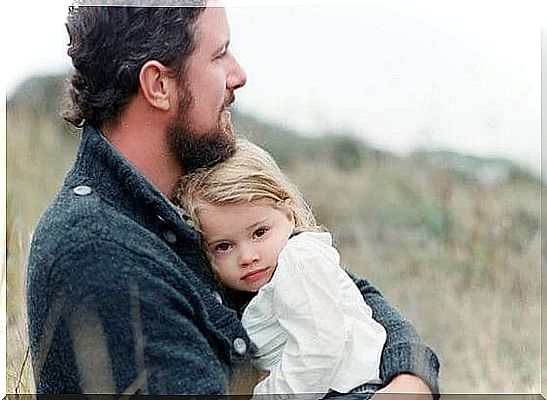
249, 175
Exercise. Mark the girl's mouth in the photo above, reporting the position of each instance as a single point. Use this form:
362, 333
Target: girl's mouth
254, 275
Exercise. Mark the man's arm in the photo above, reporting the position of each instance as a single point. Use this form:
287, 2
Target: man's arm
131, 328
405, 356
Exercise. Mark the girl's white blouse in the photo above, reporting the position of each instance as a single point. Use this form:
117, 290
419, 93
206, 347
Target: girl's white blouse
313, 330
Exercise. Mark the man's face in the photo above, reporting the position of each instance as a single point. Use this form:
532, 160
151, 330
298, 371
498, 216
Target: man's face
201, 134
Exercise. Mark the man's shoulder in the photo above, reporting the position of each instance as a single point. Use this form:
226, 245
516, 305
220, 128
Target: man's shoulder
82, 236
73, 214
79, 218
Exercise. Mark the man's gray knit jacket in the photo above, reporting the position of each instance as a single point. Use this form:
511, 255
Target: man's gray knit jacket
120, 297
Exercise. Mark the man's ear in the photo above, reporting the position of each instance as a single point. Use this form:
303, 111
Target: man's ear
158, 85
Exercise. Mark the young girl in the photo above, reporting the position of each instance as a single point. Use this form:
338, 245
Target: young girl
312, 328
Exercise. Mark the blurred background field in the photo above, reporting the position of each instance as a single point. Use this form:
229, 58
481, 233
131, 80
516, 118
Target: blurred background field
452, 240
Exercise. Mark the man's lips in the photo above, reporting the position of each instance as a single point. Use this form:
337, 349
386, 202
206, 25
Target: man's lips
231, 98
254, 274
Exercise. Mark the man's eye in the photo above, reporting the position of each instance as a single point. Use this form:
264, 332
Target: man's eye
222, 52
222, 247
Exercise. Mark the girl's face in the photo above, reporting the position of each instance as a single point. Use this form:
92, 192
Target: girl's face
245, 241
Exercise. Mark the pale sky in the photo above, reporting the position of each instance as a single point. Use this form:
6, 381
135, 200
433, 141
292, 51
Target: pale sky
401, 74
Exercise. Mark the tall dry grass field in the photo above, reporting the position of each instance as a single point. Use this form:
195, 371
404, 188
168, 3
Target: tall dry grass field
38, 155
459, 258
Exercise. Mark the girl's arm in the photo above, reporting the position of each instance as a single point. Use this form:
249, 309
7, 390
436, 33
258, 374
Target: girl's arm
405, 355
306, 306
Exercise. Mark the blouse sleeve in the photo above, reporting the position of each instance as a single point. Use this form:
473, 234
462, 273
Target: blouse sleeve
306, 302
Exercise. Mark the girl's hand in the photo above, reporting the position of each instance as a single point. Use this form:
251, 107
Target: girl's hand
401, 386
263, 375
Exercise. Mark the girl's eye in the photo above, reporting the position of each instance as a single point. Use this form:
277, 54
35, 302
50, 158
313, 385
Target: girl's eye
260, 232
222, 247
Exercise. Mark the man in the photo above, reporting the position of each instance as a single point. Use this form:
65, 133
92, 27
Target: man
120, 298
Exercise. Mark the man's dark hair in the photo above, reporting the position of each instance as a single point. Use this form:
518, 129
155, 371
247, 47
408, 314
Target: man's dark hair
110, 44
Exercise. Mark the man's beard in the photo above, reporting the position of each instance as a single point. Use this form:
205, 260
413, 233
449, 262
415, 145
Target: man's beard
196, 150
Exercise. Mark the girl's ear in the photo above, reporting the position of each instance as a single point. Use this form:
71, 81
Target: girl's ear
289, 207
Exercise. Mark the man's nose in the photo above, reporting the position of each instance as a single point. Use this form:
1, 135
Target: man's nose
237, 77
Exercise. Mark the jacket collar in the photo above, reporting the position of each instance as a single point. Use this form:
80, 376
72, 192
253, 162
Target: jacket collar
110, 176
102, 167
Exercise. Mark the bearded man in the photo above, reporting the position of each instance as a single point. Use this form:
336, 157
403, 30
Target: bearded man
120, 296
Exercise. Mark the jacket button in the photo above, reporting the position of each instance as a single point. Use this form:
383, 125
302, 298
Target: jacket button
240, 346
170, 237
82, 190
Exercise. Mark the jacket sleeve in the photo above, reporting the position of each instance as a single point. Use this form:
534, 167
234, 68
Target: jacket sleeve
404, 350
130, 328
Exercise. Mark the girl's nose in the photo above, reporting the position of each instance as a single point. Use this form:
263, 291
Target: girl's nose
248, 255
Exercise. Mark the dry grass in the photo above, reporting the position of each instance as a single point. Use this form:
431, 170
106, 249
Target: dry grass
468, 276
37, 159
459, 259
